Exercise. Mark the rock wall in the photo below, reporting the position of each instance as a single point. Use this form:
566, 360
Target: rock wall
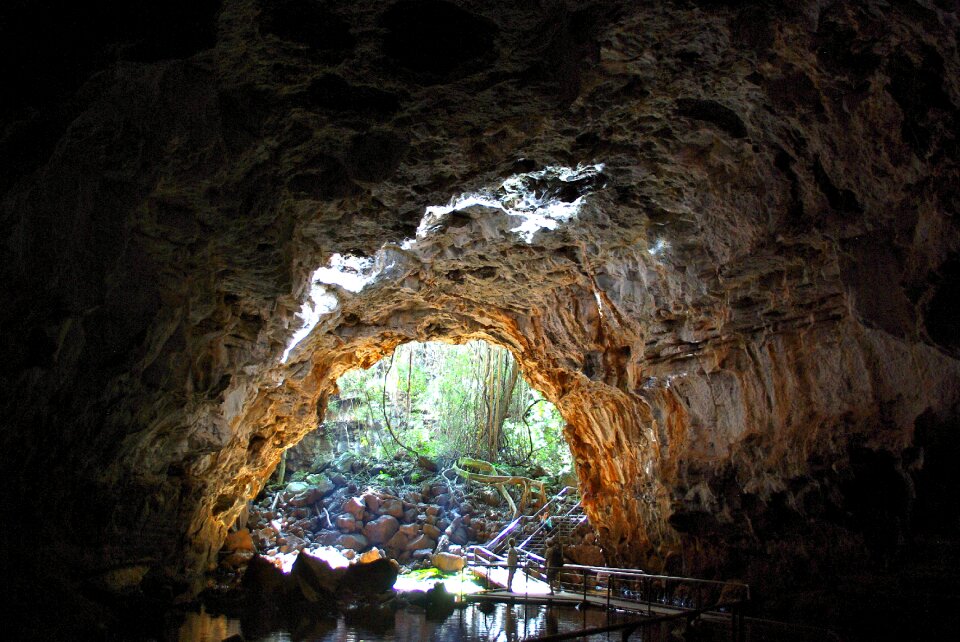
721, 239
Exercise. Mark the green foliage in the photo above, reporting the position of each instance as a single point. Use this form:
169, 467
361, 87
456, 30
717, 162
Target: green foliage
437, 399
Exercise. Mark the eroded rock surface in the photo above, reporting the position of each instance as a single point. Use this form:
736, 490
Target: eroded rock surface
721, 239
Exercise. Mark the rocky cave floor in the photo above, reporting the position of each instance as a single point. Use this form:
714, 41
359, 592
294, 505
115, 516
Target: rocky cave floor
332, 541
403, 509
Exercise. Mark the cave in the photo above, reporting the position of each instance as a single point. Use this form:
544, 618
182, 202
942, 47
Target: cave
720, 237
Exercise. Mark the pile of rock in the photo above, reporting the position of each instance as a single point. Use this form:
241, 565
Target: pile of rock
429, 525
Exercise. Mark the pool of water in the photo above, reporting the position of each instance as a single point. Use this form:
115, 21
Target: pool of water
489, 622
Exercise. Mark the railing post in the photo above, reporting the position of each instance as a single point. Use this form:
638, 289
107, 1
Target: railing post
646, 592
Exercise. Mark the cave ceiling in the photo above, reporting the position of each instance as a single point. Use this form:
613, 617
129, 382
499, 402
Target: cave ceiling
721, 237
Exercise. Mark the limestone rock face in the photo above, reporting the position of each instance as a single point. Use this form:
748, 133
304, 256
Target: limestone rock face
722, 239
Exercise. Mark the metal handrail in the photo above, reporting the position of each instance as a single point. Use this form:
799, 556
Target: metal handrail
603, 582
649, 600
497, 541
542, 525
704, 604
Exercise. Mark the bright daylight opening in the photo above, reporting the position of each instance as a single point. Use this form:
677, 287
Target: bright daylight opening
430, 453
444, 401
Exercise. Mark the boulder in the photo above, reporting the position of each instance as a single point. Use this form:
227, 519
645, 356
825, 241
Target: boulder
353, 540
410, 515
347, 523
322, 483
432, 531
421, 542
448, 563
263, 579
326, 538
127, 579
318, 573
370, 578
381, 529
443, 499
459, 536
372, 501
306, 498
397, 543
289, 543
371, 556
355, 506
296, 487
240, 540
392, 507
410, 530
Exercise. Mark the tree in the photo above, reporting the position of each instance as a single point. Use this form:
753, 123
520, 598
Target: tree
444, 400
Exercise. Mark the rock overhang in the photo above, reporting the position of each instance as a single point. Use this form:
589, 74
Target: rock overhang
707, 316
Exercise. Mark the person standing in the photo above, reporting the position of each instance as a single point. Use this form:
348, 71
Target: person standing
554, 561
512, 559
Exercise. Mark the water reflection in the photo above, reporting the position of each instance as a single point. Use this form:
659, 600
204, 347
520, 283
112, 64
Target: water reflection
485, 622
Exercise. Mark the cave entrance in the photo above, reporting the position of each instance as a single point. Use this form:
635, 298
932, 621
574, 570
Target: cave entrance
428, 451
437, 402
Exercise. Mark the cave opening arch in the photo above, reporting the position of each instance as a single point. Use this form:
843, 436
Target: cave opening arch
438, 401
510, 265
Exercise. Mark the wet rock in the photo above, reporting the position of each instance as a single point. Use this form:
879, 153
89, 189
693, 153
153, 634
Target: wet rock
410, 530
380, 530
431, 531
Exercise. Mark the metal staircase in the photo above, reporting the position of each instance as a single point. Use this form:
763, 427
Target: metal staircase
560, 516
